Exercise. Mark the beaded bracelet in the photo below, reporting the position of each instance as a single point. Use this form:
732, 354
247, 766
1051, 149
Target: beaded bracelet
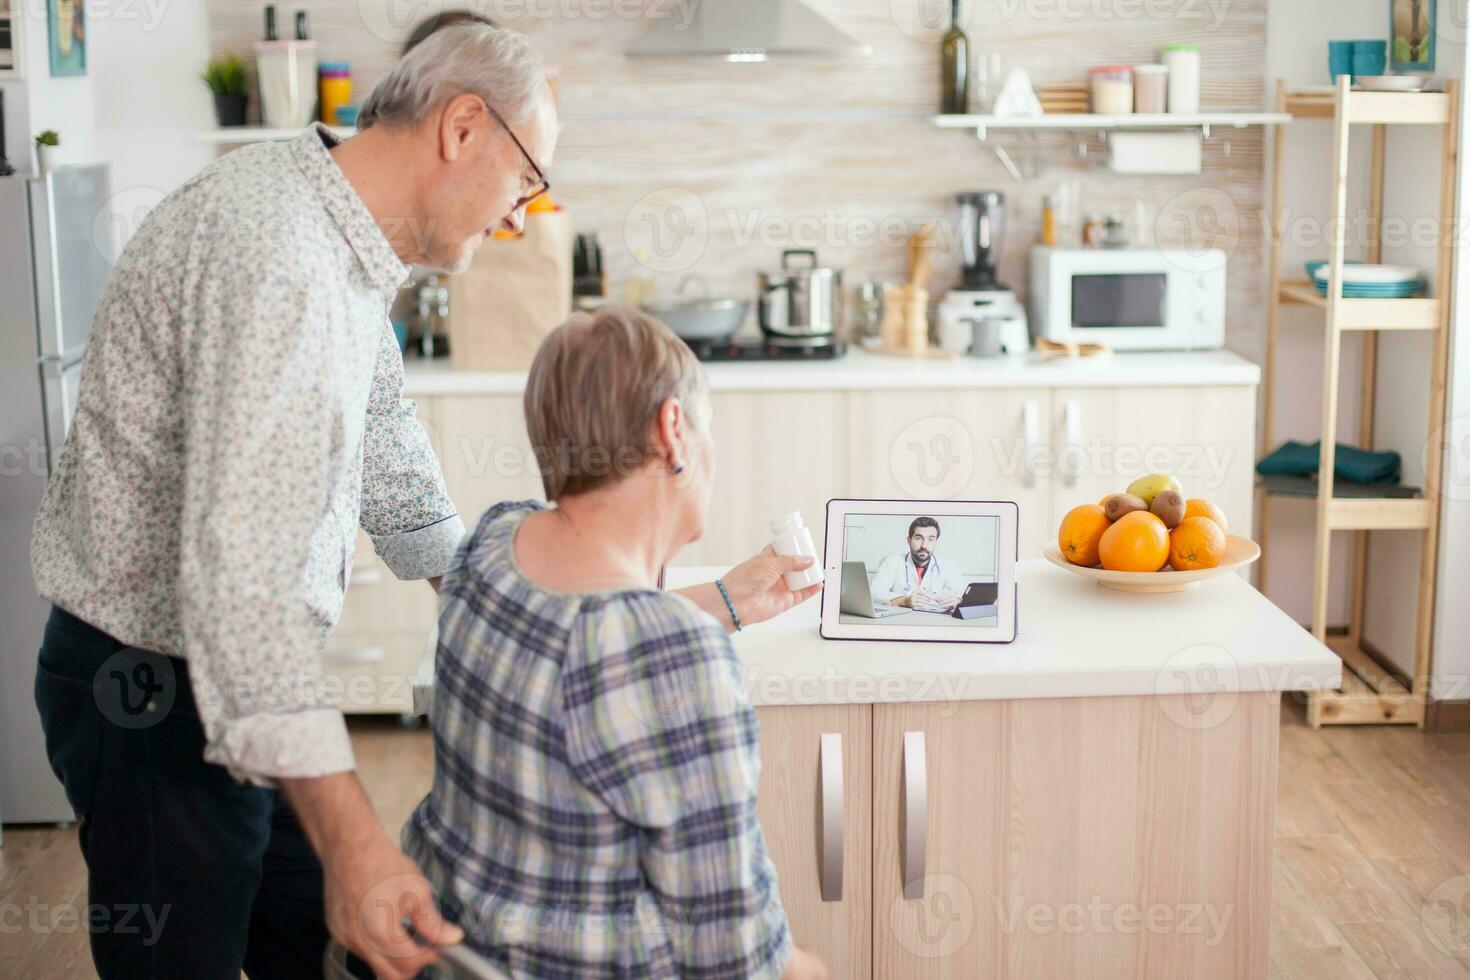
734, 618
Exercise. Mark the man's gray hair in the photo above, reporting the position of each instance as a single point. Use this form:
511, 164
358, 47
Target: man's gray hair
496, 64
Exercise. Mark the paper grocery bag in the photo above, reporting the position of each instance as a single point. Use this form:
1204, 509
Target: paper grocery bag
516, 291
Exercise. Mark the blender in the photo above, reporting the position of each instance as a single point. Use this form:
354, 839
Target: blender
982, 317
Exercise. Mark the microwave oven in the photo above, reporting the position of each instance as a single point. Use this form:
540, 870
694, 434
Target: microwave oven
1129, 298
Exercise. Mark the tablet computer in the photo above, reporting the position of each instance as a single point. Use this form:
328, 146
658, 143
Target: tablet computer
934, 570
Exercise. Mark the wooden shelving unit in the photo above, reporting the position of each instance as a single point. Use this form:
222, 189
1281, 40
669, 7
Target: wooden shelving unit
1370, 693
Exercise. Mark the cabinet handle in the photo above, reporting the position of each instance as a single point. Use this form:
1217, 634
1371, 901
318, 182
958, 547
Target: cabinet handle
362, 655
1072, 425
834, 821
915, 814
364, 576
1030, 436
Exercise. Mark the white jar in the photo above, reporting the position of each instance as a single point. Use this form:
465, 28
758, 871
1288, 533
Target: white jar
1182, 61
789, 536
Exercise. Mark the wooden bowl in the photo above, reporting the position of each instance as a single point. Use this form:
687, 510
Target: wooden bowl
1239, 552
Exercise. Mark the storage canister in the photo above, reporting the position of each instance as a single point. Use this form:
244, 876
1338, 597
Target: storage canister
1150, 88
1182, 60
334, 89
1112, 90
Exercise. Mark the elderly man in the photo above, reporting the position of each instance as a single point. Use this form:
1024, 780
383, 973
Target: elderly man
240, 417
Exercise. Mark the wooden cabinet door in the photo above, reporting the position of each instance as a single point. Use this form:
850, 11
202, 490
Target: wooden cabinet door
486, 453
1074, 837
1105, 438
792, 813
775, 452
942, 445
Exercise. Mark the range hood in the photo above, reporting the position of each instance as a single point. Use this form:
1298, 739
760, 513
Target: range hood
743, 30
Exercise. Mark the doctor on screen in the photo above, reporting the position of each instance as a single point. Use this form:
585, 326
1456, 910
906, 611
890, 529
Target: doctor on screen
918, 578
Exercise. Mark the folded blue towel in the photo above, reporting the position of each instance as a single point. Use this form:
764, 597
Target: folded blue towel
1351, 463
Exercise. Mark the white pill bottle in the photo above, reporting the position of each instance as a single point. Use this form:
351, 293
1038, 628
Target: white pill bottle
789, 536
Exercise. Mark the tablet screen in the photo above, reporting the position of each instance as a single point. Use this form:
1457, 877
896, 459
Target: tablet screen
920, 569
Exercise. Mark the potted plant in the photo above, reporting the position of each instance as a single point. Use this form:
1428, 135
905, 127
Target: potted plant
48, 151
225, 77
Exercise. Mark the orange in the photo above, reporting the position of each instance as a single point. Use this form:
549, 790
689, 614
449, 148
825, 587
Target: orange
1200, 507
1197, 542
1136, 542
1080, 532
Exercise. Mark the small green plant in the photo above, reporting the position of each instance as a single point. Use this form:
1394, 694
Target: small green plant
225, 75
48, 137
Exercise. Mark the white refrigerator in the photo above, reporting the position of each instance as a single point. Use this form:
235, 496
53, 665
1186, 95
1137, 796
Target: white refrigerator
52, 266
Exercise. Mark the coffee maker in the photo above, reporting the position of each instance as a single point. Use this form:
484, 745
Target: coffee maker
982, 317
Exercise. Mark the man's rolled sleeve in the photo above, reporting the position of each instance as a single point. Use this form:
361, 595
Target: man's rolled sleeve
405, 507
303, 745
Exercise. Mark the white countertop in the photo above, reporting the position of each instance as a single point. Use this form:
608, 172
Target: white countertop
1075, 640
861, 369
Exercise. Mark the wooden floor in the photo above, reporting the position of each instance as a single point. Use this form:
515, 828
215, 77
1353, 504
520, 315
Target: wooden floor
1372, 855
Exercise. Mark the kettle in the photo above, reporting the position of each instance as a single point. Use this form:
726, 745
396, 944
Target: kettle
802, 301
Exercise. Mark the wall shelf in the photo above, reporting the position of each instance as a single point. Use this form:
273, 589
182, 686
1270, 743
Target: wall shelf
1203, 121
240, 135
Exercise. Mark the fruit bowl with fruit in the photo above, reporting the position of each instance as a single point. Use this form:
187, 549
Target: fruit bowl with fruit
1150, 538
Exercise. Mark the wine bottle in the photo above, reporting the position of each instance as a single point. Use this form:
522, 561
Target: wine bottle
955, 66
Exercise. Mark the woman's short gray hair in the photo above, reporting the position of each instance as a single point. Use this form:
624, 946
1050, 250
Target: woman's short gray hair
594, 393
496, 64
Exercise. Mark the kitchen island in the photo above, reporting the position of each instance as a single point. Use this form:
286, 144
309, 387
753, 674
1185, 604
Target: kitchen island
1048, 434
1095, 799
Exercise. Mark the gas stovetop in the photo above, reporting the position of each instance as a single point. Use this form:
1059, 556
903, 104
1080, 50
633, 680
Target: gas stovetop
767, 349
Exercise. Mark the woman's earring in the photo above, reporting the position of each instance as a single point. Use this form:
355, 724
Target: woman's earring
677, 468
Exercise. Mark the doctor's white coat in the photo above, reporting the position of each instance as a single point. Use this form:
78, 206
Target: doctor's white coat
896, 576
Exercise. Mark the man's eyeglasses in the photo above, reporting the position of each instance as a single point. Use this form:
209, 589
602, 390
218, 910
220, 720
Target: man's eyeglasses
542, 185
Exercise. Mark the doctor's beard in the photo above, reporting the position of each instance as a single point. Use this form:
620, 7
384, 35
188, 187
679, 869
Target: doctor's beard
921, 557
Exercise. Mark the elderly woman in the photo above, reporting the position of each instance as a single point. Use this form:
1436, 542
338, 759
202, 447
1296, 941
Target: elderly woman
593, 812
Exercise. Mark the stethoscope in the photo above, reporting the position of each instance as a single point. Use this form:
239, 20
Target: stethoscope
908, 564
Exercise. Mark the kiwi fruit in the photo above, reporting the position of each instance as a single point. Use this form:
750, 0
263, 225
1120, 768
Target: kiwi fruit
1169, 507
1118, 504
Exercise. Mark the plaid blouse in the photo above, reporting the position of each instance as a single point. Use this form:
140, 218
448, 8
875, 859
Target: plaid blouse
593, 812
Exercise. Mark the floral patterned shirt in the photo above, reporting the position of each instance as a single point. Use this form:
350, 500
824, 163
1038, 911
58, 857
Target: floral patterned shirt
241, 413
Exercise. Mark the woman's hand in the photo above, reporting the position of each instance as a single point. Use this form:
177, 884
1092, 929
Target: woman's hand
758, 589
